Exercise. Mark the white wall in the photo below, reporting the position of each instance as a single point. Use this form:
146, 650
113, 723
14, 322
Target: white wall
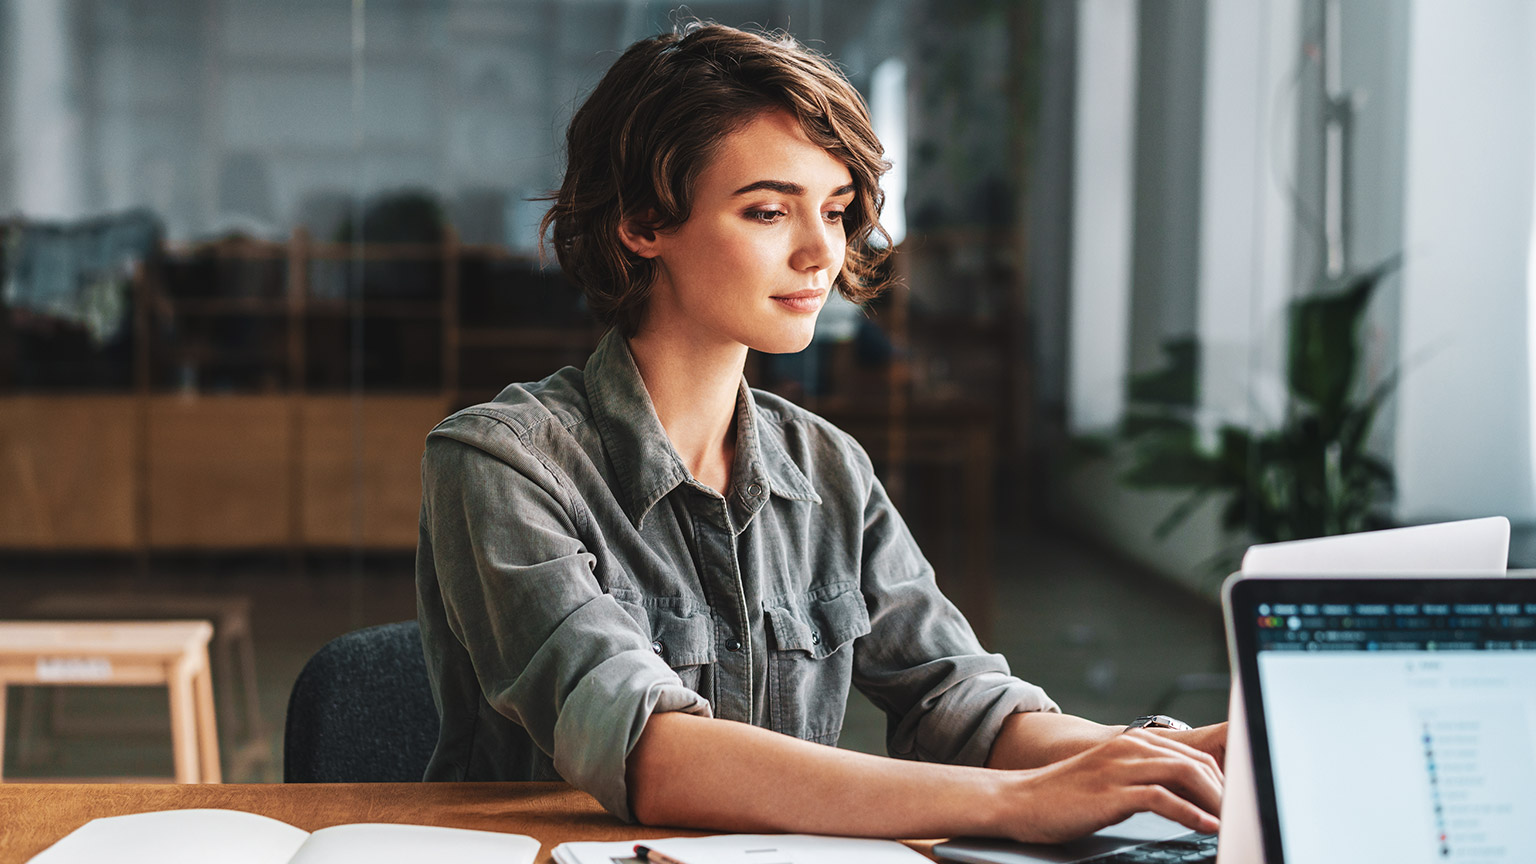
48, 109
1463, 432
1101, 214
1246, 225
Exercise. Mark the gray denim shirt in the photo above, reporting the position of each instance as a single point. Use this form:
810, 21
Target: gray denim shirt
573, 578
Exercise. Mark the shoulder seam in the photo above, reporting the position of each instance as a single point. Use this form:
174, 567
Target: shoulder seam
524, 436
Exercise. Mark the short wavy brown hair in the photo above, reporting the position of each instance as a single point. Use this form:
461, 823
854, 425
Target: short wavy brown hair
636, 147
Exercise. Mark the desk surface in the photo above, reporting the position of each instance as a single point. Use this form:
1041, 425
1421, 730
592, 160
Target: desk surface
33, 816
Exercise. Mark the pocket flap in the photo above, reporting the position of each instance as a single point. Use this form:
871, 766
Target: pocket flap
686, 640
818, 625
684, 630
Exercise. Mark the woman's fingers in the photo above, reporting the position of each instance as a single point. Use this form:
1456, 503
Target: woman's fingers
1135, 772
1146, 759
1186, 778
1164, 803
1161, 747
1174, 742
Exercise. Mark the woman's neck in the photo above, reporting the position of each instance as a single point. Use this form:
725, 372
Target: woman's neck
693, 389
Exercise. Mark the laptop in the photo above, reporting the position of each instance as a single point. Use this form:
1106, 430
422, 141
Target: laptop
1389, 719
1465, 546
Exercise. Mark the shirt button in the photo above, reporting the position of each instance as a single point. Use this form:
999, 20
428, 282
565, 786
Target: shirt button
733, 645
659, 648
754, 490
815, 639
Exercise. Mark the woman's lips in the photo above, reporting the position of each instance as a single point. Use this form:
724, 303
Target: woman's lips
802, 301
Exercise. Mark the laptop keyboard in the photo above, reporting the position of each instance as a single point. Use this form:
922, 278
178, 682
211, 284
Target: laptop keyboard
1189, 849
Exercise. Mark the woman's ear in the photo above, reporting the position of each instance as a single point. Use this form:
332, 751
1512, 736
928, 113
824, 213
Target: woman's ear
639, 237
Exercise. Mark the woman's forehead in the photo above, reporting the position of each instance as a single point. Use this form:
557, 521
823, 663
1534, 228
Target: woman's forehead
773, 147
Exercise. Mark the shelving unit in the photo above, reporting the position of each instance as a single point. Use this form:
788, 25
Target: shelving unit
243, 428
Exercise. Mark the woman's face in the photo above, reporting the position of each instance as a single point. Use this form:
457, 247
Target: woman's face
761, 248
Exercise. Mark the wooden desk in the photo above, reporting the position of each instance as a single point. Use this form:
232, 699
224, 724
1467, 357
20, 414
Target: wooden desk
33, 816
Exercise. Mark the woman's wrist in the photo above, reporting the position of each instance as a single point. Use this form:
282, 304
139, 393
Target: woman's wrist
999, 810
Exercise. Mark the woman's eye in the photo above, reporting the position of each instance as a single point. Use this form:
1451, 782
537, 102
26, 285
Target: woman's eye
767, 217
834, 215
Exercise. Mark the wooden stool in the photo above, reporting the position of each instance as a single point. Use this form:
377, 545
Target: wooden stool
233, 652
122, 653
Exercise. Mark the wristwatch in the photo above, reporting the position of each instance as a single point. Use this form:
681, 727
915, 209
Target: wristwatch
1156, 721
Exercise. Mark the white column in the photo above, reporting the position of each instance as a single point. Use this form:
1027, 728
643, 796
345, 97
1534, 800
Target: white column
1464, 426
1102, 209
46, 124
888, 114
1246, 227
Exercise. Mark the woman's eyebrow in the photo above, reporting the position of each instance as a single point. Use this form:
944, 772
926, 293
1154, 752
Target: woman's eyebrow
785, 187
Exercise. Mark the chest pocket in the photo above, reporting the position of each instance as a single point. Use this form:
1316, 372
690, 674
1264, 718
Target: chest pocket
811, 660
682, 635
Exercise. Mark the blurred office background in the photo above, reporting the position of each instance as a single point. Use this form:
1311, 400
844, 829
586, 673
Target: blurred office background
1176, 275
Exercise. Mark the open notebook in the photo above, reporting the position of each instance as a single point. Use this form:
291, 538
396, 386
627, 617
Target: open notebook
236, 837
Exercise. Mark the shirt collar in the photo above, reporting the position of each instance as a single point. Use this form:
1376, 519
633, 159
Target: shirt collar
644, 461
785, 478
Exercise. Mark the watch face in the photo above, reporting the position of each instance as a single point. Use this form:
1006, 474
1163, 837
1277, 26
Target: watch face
1158, 721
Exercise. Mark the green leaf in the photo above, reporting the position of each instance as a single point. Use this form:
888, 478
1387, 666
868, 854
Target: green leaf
1170, 467
1173, 384
1323, 354
1090, 447
1137, 423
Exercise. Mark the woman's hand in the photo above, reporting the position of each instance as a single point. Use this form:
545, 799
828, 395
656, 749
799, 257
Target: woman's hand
1139, 770
1207, 739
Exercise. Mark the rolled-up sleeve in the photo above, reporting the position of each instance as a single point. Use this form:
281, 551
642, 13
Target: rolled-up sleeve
551, 651
946, 697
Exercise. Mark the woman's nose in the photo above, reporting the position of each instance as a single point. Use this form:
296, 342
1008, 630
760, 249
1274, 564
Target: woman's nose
817, 246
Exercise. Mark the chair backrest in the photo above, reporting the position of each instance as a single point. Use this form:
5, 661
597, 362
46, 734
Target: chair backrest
361, 710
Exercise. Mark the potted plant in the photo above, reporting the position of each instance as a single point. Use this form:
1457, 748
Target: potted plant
1310, 475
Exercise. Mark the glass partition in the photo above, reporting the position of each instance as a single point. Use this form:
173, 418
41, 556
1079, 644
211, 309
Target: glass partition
253, 250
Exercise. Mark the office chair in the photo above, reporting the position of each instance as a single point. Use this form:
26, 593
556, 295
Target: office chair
361, 710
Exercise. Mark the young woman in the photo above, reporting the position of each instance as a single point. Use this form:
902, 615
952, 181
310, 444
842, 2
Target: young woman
657, 584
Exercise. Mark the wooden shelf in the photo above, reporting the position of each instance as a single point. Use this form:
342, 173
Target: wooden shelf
69, 473
276, 465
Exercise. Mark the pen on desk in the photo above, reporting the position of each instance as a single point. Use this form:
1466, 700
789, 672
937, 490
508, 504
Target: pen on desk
647, 854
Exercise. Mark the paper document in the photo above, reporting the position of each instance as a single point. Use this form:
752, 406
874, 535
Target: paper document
746, 849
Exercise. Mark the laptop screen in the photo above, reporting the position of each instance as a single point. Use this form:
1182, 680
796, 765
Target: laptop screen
1391, 720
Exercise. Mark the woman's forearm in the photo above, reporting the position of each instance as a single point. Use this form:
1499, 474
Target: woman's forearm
1038, 738
700, 772
718, 775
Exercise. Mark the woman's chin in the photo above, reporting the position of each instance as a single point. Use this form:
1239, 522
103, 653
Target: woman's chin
786, 343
